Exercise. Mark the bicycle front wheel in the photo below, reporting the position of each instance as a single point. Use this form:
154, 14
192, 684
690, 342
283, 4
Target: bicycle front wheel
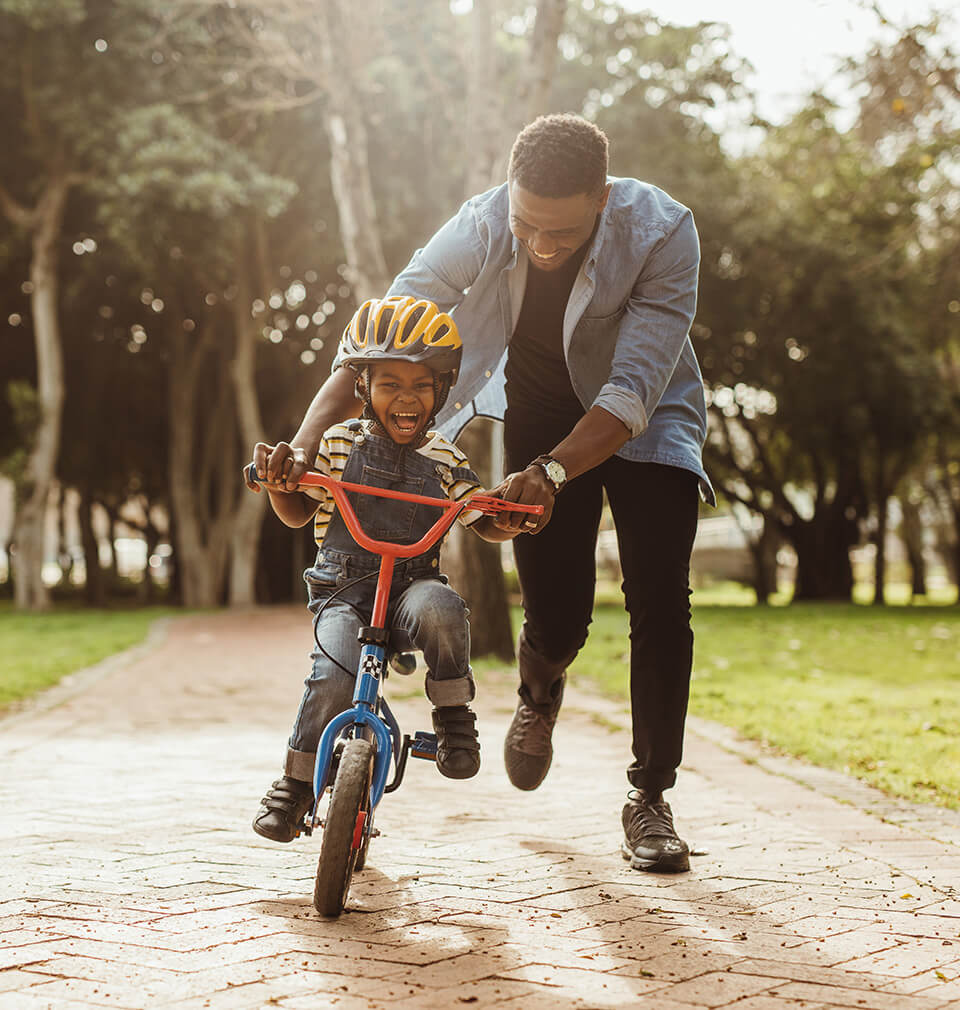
345, 830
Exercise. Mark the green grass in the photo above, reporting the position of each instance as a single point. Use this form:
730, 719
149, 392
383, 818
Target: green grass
871, 691
40, 649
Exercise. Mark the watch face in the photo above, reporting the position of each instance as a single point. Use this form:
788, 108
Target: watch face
556, 472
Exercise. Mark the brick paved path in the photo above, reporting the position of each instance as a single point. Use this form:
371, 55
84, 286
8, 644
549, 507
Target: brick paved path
129, 876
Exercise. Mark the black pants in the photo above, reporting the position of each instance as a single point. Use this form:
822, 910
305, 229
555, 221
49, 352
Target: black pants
655, 513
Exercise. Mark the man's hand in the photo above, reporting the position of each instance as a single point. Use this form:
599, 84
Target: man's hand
529, 487
281, 465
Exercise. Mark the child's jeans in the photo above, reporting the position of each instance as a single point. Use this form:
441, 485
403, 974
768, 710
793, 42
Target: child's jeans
427, 616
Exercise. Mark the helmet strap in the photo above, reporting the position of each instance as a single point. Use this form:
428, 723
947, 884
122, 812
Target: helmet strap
441, 390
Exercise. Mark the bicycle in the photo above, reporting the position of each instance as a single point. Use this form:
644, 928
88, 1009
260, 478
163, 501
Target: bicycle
357, 746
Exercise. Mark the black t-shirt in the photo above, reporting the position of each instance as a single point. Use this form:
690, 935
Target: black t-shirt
537, 378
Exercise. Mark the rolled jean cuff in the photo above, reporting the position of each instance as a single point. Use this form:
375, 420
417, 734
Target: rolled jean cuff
651, 780
455, 691
299, 764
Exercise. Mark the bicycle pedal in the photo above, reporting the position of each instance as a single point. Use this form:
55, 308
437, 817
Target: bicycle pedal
424, 745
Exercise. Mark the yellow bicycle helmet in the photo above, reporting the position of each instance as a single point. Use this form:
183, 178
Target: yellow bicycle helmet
401, 328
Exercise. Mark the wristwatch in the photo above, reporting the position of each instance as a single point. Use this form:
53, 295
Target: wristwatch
556, 472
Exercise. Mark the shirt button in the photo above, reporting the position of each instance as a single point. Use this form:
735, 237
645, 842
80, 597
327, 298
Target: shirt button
458, 405
488, 373
433, 563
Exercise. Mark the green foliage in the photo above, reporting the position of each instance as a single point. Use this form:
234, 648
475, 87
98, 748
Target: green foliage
42, 15
159, 148
22, 400
817, 333
176, 183
41, 649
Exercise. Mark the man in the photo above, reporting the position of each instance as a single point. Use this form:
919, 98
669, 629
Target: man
575, 294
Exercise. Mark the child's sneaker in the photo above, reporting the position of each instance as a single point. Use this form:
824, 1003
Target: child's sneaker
283, 808
458, 747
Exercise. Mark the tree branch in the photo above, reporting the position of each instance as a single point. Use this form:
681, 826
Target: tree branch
16, 212
766, 466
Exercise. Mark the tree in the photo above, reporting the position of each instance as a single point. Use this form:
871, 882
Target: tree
822, 380
80, 68
34, 202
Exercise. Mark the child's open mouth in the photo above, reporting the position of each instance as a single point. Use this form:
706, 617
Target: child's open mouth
406, 423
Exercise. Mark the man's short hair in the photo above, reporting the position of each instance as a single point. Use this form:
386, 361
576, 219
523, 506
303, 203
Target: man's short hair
560, 155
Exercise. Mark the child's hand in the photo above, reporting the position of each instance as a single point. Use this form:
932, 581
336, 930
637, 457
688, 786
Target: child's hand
280, 465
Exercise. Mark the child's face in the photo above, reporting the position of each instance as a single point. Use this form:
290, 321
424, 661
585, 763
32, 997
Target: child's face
402, 397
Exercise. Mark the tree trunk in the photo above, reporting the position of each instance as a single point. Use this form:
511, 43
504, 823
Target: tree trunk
473, 565
200, 483
911, 532
542, 62
880, 563
46, 220
484, 134
94, 590
763, 550
147, 593
64, 557
343, 48
248, 518
113, 534
954, 558
822, 545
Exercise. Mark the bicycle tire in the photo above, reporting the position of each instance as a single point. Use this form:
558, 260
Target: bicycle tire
340, 847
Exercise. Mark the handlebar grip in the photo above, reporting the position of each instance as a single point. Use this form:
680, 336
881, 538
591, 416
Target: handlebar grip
250, 472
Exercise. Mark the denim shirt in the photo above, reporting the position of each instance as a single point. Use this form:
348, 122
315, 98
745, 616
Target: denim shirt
626, 330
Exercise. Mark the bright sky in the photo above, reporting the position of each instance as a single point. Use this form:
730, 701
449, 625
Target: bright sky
794, 46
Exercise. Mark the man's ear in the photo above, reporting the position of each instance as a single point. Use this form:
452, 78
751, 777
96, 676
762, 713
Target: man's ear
604, 196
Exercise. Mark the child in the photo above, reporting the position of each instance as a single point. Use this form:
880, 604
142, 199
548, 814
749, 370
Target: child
406, 354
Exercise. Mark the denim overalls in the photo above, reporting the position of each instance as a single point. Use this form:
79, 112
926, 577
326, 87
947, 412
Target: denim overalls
424, 613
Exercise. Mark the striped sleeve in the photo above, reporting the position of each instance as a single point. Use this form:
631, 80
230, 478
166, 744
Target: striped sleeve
331, 459
456, 478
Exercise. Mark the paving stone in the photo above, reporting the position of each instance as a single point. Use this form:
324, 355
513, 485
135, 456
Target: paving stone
716, 989
868, 999
14, 979
115, 993
816, 891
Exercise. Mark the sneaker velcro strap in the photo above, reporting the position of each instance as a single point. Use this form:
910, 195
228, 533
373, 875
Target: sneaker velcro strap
285, 795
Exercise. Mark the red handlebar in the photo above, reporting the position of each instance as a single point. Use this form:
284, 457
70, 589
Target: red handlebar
486, 504
389, 552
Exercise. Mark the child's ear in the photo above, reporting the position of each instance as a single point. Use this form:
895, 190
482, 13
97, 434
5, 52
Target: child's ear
361, 387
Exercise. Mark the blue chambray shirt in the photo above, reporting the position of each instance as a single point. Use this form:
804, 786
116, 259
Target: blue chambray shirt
626, 330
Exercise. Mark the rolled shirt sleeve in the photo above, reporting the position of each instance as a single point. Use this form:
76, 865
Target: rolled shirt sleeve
654, 328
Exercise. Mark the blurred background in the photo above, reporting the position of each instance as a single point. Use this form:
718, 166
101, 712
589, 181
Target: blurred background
196, 195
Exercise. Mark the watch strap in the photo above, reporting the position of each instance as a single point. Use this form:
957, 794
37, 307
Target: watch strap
543, 462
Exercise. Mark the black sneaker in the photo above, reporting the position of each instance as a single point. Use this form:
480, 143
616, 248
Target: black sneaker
528, 747
282, 810
651, 841
458, 747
